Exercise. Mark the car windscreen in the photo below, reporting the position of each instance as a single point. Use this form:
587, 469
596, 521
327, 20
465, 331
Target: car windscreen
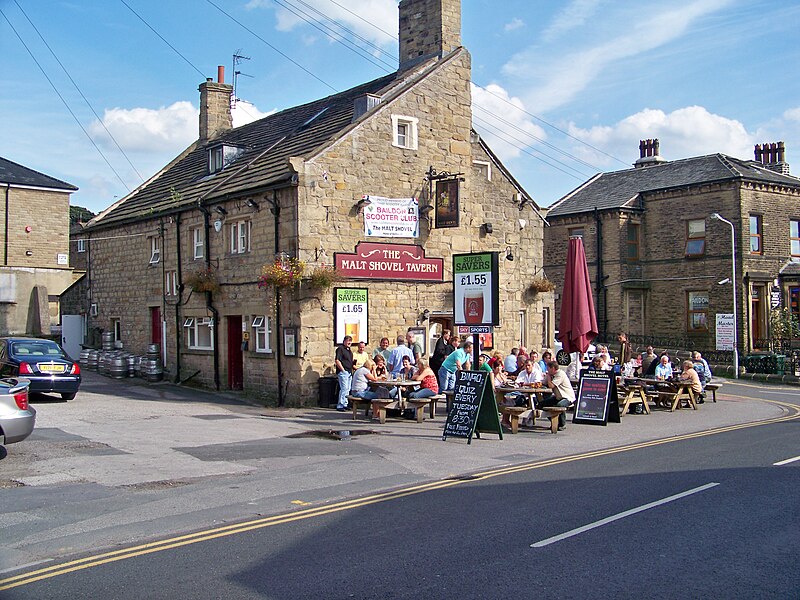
36, 350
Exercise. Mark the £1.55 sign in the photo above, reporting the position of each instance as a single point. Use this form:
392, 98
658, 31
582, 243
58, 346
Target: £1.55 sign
475, 289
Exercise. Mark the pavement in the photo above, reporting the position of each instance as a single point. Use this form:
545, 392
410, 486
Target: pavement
129, 461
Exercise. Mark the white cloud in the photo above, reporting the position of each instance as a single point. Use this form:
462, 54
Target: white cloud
375, 20
793, 114
575, 14
506, 130
166, 129
554, 77
244, 112
515, 23
685, 132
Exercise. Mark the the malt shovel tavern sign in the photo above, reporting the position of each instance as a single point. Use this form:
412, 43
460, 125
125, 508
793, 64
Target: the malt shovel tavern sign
373, 260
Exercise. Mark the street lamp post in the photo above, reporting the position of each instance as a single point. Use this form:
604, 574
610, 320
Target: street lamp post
733, 287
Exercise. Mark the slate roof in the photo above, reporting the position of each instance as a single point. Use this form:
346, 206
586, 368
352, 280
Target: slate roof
14, 174
621, 189
188, 173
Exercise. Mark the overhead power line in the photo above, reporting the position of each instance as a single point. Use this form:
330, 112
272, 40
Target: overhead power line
66, 104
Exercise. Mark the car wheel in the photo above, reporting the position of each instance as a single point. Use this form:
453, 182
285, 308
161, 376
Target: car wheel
67, 396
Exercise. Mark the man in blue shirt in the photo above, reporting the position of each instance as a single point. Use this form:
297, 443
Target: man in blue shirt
457, 361
397, 354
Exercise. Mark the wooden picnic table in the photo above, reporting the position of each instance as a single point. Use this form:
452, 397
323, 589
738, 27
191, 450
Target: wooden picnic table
516, 413
671, 392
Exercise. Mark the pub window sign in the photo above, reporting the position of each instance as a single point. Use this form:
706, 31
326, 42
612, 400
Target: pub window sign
446, 203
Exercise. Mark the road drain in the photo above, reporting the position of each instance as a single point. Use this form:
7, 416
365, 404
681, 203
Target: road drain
331, 434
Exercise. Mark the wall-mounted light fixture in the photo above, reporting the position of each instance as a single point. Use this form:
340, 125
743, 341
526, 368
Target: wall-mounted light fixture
425, 209
426, 314
487, 228
252, 203
509, 255
221, 210
361, 204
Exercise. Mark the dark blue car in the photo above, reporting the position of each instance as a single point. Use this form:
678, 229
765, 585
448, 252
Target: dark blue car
43, 362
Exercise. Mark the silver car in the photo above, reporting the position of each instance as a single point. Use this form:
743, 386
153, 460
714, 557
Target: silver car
17, 417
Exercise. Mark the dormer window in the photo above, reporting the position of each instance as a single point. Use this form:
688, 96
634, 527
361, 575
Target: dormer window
220, 157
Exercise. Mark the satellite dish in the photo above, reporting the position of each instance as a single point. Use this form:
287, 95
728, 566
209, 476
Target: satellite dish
217, 225
563, 358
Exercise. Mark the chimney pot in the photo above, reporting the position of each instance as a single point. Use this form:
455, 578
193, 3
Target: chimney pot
220, 74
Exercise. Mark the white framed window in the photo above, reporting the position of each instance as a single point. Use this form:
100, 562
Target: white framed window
198, 333
198, 243
155, 250
262, 334
81, 245
171, 283
404, 132
240, 237
215, 159
116, 327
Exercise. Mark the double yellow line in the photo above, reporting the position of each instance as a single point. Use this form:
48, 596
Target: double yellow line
218, 532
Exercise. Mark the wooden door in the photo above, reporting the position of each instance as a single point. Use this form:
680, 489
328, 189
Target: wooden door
235, 354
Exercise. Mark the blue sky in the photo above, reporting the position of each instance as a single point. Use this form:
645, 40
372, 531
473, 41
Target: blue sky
562, 89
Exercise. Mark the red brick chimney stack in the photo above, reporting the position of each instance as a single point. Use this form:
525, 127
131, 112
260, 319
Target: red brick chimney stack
215, 107
772, 156
649, 153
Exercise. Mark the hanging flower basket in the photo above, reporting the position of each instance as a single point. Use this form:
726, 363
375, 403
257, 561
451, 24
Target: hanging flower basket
204, 280
322, 277
540, 285
281, 274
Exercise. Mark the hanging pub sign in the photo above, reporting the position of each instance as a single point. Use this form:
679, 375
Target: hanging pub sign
391, 217
597, 402
476, 294
375, 260
446, 203
350, 310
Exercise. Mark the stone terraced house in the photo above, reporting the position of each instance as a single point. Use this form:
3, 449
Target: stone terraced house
177, 261
34, 236
656, 256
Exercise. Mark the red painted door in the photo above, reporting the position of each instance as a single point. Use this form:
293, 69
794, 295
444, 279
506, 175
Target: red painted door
235, 360
155, 325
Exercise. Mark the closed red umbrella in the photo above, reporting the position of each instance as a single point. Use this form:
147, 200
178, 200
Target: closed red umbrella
577, 325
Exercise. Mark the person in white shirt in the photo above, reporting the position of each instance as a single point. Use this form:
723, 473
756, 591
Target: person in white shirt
531, 374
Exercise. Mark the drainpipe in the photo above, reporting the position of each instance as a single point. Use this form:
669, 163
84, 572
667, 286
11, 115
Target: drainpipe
209, 305
5, 227
599, 287
179, 283
276, 210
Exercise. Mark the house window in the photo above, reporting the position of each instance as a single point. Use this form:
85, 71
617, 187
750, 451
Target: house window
198, 243
116, 328
404, 132
633, 242
198, 333
155, 250
575, 232
695, 237
240, 237
215, 162
697, 317
81, 245
262, 333
171, 283
794, 239
755, 235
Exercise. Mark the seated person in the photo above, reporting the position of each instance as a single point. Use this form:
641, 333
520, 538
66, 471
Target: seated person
407, 370
382, 374
664, 368
563, 394
427, 378
483, 363
360, 356
510, 363
698, 358
361, 378
530, 375
689, 375
629, 368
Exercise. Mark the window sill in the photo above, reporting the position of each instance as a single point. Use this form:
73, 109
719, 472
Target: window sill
199, 351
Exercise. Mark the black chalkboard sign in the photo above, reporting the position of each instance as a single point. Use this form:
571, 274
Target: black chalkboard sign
474, 409
597, 402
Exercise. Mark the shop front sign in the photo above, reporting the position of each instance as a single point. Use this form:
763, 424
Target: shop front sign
391, 217
374, 260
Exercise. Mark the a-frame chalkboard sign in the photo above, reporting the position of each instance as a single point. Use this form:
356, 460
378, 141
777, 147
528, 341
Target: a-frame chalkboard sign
597, 402
474, 409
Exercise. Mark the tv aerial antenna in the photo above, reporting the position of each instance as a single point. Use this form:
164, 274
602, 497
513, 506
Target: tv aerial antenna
238, 57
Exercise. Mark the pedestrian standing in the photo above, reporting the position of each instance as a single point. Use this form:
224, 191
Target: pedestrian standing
344, 371
440, 351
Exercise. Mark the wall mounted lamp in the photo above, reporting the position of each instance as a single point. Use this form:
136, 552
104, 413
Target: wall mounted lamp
509, 255
252, 203
425, 209
221, 210
426, 314
363, 203
487, 228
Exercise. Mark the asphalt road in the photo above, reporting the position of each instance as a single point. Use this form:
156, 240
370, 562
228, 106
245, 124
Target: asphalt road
708, 516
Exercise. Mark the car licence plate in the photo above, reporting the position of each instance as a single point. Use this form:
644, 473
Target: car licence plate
51, 368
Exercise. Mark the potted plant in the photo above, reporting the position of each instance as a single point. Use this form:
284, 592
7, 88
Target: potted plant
322, 277
541, 284
281, 273
203, 280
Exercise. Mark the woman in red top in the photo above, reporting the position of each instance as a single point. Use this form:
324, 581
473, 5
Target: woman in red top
427, 378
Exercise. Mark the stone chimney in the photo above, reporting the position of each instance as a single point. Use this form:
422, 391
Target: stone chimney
649, 154
772, 156
428, 28
215, 107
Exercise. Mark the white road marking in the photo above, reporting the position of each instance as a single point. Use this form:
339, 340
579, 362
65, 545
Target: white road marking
622, 515
786, 462
20, 567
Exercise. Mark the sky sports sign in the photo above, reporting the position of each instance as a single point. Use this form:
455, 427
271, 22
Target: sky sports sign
476, 293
